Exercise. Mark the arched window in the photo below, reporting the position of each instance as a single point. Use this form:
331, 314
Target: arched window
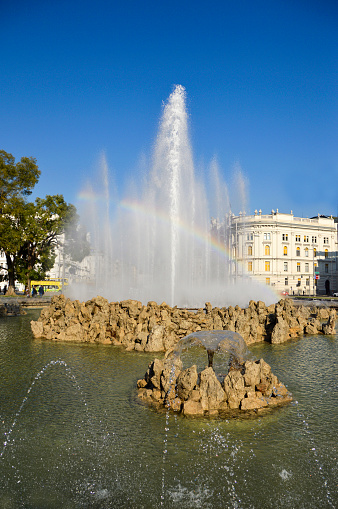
285, 250
298, 251
267, 250
326, 253
306, 251
250, 250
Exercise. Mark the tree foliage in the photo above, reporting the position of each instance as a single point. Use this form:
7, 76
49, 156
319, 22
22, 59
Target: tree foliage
16, 179
29, 230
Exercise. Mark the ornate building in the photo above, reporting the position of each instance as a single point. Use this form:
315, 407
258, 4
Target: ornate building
293, 254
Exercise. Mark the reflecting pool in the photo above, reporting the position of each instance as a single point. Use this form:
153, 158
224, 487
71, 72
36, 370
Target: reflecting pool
74, 435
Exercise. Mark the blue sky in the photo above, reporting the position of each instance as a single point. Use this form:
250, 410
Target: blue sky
81, 77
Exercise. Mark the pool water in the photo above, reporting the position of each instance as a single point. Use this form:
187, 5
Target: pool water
75, 435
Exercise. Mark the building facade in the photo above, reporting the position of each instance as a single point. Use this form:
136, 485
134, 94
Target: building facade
294, 255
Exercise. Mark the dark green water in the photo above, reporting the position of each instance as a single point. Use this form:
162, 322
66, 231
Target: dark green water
73, 434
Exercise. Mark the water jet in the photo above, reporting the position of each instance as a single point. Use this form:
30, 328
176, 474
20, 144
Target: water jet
160, 242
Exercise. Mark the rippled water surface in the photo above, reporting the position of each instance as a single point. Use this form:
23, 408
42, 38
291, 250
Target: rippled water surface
74, 435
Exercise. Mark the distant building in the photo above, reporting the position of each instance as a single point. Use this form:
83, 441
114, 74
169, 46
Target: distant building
75, 272
292, 254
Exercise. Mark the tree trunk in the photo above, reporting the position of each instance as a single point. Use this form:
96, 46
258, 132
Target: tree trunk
11, 274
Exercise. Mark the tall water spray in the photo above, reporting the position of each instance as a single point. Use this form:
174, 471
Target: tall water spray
164, 246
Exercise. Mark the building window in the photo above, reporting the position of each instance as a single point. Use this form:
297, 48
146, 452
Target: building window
306, 267
297, 238
286, 281
306, 238
267, 281
326, 268
250, 266
250, 250
285, 250
298, 251
267, 266
285, 237
267, 250
298, 282
306, 251
326, 253
326, 240
298, 267
307, 282
285, 266
249, 236
314, 240
267, 236
315, 252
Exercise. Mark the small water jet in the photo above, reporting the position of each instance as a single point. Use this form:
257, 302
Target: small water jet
210, 463
244, 385
221, 341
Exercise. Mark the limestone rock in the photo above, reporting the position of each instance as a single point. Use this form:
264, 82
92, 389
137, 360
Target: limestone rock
253, 403
234, 385
159, 327
252, 373
155, 341
329, 326
250, 388
280, 331
211, 390
186, 381
37, 329
153, 374
192, 408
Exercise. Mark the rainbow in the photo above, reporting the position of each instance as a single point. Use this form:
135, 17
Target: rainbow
195, 232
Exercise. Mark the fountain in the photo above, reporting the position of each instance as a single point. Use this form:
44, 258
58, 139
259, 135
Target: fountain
214, 341
75, 434
158, 243
247, 385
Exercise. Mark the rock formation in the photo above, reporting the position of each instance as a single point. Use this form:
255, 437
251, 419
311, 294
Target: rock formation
249, 387
155, 328
11, 307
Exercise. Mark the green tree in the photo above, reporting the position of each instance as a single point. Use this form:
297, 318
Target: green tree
29, 231
16, 179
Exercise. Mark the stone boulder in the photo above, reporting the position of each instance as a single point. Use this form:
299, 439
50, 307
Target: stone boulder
211, 390
186, 381
155, 341
157, 328
250, 388
11, 307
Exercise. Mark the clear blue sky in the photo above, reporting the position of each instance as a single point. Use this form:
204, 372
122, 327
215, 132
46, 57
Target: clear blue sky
78, 77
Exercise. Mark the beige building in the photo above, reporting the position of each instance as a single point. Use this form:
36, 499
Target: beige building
293, 254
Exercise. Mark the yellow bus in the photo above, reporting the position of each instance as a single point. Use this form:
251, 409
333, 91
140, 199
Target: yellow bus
50, 285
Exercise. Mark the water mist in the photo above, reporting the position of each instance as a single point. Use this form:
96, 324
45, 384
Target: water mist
161, 243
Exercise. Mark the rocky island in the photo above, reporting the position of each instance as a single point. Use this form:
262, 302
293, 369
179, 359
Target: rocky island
158, 327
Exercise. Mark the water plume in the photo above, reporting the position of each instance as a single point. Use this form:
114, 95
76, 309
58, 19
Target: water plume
161, 243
